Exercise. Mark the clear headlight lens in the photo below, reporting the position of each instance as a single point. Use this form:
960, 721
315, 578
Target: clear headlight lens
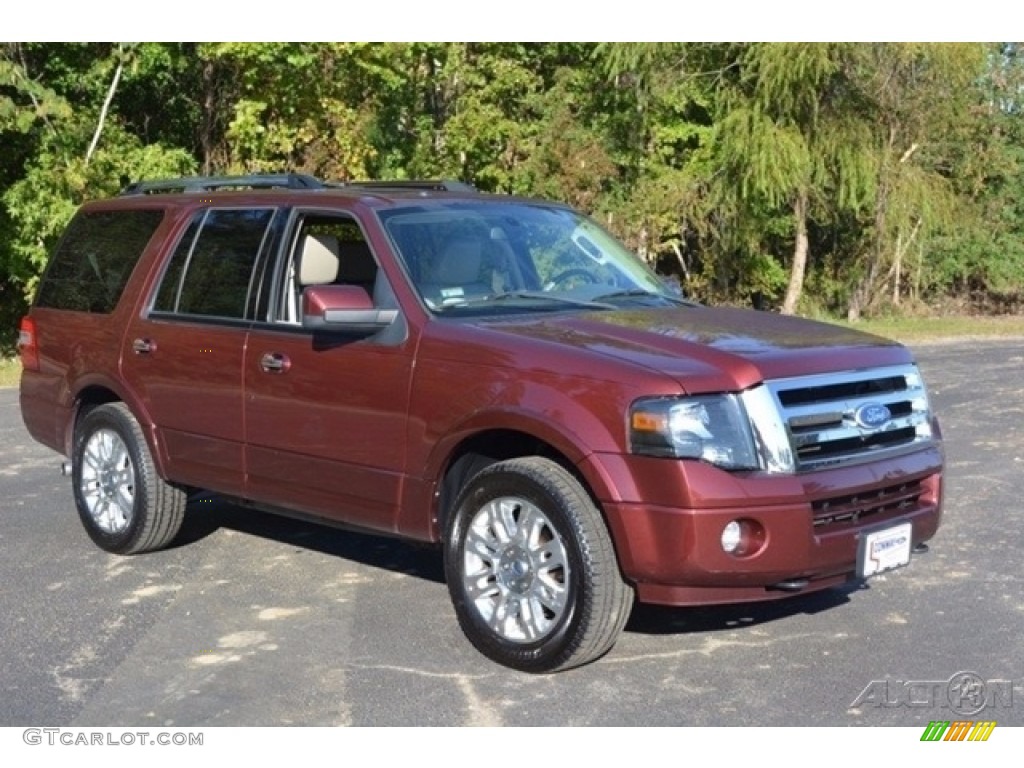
709, 427
730, 431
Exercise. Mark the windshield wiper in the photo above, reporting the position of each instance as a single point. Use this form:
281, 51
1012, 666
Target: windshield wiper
500, 298
591, 303
642, 293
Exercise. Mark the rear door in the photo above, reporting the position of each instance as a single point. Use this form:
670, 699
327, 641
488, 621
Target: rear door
184, 353
326, 414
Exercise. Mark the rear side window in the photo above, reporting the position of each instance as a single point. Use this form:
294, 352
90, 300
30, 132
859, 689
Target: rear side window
95, 258
212, 270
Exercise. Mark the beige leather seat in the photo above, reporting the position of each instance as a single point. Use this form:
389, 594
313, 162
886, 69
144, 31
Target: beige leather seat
461, 272
316, 264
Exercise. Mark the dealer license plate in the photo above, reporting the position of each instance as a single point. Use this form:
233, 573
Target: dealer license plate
883, 549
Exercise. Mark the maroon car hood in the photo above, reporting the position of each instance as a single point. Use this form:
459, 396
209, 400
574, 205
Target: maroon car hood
711, 349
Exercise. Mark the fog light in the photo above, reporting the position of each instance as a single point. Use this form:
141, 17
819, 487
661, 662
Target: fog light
731, 535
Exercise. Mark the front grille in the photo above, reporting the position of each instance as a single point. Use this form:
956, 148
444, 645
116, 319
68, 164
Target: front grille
857, 508
839, 418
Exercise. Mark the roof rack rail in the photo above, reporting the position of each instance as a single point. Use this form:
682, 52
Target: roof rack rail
287, 181
208, 183
428, 185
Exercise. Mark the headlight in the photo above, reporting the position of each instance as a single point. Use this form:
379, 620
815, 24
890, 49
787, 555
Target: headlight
710, 427
730, 431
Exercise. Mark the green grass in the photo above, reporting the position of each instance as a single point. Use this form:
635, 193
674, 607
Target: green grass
10, 372
924, 329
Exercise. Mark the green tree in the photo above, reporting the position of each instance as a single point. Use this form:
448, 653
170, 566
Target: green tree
914, 96
791, 136
659, 116
305, 107
876, 175
981, 258
71, 161
27, 108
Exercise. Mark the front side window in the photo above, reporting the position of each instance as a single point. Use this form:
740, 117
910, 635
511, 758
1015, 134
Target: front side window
212, 270
325, 249
96, 257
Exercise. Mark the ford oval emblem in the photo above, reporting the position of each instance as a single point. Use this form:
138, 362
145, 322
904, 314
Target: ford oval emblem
872, 415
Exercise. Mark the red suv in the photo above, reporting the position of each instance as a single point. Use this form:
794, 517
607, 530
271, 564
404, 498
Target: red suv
492, 373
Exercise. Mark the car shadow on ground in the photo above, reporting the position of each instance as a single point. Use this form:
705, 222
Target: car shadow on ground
207, 514
664, 620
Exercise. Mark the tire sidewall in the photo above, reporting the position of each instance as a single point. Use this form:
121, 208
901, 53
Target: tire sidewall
555, 647
95, 420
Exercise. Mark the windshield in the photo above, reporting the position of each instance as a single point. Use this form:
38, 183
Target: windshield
490, 257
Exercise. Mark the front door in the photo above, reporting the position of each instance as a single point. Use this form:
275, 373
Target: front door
326, 415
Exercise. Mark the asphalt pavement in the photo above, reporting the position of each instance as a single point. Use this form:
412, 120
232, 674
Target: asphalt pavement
255, 620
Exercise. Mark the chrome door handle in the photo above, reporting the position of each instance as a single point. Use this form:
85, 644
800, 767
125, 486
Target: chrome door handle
143, 346
275, 362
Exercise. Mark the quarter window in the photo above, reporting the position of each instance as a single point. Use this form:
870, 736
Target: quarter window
211, 272
93, 262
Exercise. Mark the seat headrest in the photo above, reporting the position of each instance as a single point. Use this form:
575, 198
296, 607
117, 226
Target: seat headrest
318, 262
459, 262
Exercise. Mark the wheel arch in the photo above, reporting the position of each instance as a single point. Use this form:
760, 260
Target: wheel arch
95, 391
477, 449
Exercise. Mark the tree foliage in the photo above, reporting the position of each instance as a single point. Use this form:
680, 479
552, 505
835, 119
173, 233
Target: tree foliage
833, 178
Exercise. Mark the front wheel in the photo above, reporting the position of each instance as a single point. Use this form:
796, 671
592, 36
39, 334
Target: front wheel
531, 568
125, 506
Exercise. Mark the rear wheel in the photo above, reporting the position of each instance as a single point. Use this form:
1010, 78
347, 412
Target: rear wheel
125, 506
531, 569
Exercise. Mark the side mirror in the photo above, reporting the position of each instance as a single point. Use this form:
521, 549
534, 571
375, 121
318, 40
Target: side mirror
343, 309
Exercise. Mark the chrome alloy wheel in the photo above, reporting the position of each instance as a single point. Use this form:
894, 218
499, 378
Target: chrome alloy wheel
515, 569
108, 481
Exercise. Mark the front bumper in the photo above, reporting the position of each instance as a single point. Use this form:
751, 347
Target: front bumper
668, 521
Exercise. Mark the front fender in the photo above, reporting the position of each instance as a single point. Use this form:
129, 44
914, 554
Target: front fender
572, 415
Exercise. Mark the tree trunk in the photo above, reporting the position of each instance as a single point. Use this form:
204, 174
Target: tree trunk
799, 268
864, 291
208, 123
897, 268
106, 105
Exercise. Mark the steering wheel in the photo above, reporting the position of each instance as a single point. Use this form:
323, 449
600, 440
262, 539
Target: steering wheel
567, 274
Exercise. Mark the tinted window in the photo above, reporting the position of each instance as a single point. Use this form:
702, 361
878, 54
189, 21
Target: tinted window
167, 297
95, 259
211, 274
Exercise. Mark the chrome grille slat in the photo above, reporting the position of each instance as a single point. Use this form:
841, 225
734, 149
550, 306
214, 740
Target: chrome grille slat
841, 433
820, 414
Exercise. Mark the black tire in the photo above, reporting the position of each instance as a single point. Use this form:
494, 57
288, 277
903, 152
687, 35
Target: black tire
540, 600
125, 506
